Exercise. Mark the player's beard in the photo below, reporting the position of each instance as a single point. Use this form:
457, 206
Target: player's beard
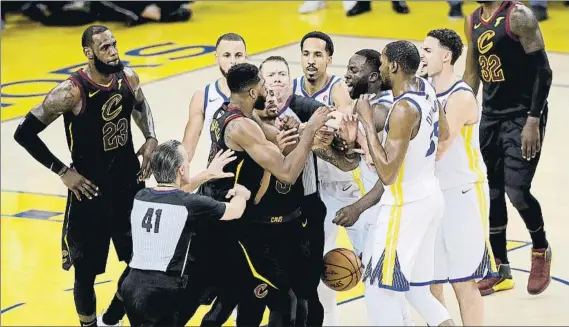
223, 72
260, 103
361, 87
385, 85
107, 69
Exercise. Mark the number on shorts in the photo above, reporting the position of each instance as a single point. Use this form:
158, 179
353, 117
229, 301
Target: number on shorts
434, 139
147, 220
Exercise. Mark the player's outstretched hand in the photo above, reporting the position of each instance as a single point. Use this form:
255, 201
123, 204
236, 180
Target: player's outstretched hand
79, 184
363, 107
146, 152
239, 191
348, 130
286, 138
320, 117
347, 216
221, 159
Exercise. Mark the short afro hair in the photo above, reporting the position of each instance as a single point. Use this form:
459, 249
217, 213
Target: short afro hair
87, 37
275, 58
322, 36
242, 77
230, 37
449, 40
373, 58
405, 54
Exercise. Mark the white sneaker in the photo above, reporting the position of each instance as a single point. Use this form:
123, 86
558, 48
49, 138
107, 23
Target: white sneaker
101, 323
311, 6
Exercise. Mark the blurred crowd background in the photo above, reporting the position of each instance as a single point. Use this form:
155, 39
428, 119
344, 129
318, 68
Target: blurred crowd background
132, 13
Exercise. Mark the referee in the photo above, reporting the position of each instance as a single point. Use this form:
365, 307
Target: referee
163, 271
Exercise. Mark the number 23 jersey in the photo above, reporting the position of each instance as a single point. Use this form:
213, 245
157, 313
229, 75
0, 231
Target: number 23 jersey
100, 137
416, 177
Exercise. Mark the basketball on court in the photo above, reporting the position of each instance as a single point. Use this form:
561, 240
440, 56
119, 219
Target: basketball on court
342, 269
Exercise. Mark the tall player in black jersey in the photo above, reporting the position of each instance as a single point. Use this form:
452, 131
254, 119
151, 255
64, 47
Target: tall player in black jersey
97, 103
506, 50
233, 128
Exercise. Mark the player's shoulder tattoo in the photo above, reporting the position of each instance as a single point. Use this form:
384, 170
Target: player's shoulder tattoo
63, 98
524, 25
231, 126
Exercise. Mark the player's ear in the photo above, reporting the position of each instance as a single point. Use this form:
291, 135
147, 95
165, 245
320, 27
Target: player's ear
253, 93
88, 52
447, 57
393, 67
373, 77
329, 60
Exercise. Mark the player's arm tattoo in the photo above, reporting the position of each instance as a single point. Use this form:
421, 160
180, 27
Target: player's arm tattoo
66, 97
471, 74
142, 115
345, 161
524, 25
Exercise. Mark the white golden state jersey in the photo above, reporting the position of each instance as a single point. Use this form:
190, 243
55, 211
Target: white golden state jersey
416, 177
326, 171
213, 99
462, 163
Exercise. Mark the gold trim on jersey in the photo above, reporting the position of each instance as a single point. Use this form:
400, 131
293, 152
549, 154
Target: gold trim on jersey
473, 155
70, 137
253, 270
388, 266
357, 176
238, 170
484, 214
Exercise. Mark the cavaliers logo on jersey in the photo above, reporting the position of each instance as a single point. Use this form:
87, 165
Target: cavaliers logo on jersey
112, 107
261, 291
282, 188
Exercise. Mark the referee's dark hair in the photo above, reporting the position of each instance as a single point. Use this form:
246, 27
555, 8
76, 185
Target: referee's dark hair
166, 160
242, 77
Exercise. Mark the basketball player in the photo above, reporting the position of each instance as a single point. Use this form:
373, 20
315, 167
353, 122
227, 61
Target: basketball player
162, 266
96, 103
233, 128
362, 77
463, 253
402, 254
504, 36
230, 49
337, 188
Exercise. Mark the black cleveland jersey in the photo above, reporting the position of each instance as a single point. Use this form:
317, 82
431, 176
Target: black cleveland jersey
99, 137
504, 67
247, 172
279, 199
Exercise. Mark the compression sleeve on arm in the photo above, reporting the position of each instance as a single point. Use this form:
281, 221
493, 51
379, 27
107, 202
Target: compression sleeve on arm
542, 83
27, 136
304, 107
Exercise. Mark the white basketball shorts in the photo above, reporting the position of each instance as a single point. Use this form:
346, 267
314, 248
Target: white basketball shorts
462, 249
403, 245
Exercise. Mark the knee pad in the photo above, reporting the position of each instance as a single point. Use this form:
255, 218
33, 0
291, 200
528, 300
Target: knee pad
518, 197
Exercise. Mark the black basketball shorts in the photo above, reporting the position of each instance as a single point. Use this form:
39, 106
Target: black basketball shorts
500, 144
89, 226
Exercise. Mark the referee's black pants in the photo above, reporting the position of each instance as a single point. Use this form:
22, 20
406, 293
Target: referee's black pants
154, 298
509, 173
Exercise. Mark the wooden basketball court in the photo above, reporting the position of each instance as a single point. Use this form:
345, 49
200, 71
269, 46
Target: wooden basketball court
173, 61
